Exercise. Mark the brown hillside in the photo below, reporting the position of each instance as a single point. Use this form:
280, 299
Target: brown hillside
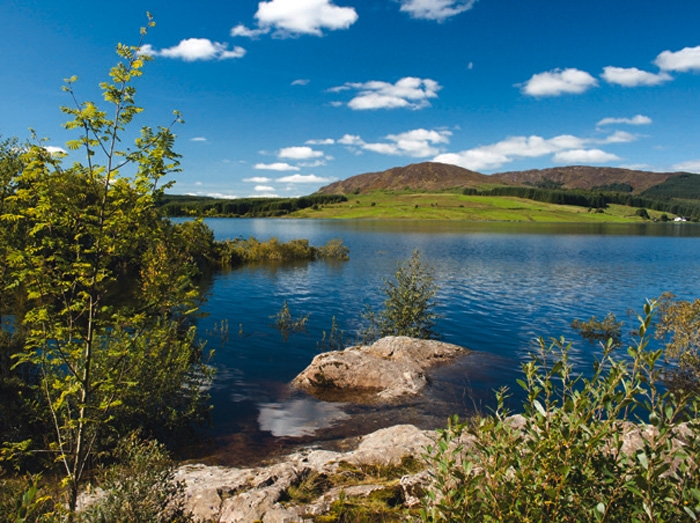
584, 177
427, 176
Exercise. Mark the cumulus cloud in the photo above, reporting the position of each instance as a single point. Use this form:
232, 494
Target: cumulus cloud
257, 179
193, 49
418, 143
324, 141
299, 153
276, 166
565, 148
584, 156
438, 10
198, 139
633, 77
692, 166
300, 17
639, 119
304, 178
263, 188
408, 93
558, 82
687, 59
301, 81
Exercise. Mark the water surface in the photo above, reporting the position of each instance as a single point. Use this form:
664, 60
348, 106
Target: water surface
501, 286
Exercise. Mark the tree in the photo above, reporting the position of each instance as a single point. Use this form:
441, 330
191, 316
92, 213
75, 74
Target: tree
109, 294
409, 304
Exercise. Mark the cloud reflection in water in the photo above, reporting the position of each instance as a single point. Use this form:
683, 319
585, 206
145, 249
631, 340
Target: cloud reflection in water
298, 417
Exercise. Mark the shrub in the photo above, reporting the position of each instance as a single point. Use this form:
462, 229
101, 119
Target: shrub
139, 488
409, 304
567, 461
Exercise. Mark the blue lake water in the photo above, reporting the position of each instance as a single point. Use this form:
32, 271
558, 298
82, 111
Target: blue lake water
502, 285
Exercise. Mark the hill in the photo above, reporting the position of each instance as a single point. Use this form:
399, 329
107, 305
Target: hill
426, 176
585, 177
431, 177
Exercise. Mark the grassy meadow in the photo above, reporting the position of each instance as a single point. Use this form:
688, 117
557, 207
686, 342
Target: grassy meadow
405, 205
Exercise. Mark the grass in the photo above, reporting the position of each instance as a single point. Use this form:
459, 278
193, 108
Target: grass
409, 205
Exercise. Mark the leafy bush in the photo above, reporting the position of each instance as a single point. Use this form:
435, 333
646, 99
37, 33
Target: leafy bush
566, 460
679, 325
409, 304
139, 488
239, 251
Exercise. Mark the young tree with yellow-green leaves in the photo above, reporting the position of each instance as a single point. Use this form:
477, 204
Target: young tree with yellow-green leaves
106, 287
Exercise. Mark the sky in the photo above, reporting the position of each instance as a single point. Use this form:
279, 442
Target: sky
282, 97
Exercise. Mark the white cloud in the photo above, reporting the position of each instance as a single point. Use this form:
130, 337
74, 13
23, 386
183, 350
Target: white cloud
408, 92
351, 139
324, 141
52, 149
301, 81
241, 30
417, 143
565, 148
620, 137
633, 77
297, 17
198, 139
193, 49
435, 9
276, 166
315, 163
304, 178
299, 153
584, 156
639, 119
257, 179
692, 166
263, 188
687, 59
558, 81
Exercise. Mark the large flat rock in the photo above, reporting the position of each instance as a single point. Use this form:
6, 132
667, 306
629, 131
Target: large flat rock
390, 368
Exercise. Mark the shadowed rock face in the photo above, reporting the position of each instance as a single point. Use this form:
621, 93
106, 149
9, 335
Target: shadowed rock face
385, 371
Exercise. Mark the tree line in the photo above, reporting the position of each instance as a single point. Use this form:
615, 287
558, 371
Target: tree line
179, 206
592, 199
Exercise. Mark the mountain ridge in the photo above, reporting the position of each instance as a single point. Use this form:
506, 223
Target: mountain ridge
434, 176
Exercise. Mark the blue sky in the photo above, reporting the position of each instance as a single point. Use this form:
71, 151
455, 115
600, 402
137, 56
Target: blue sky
281, 97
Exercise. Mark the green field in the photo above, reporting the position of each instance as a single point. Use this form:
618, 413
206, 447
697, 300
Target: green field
409, 205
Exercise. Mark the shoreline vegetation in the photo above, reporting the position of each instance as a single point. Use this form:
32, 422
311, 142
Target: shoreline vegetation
503, 203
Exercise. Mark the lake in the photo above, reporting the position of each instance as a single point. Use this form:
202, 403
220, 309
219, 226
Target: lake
502, 285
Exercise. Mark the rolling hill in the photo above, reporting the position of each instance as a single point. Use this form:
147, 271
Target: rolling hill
431, 177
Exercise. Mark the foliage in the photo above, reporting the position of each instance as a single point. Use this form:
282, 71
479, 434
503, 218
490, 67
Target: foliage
332, 340
684, 186
286, 324
239, 250
565, 460
594, 330
139, 488
23, 500
107, 285
679, 324
643, 213
409, 305
177, 205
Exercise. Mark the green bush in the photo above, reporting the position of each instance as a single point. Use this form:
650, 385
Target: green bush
565, 461
139, 488
409, 305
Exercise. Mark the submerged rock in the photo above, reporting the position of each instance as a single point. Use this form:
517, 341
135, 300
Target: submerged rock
388, 369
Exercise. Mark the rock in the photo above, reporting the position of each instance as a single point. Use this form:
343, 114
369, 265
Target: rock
388, 369
231, 495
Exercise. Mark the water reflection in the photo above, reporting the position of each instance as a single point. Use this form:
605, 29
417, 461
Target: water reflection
298, 417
